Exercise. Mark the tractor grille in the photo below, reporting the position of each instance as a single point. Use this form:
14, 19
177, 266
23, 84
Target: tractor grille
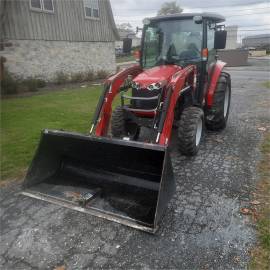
144, 104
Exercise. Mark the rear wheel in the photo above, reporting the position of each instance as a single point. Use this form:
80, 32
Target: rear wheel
190, 130
121, 127
217, 115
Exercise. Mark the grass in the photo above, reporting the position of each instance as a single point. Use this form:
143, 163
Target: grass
266, 84
261, 253
122, 59
22, 120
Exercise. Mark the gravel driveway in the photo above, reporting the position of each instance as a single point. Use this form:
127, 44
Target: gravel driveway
202, 228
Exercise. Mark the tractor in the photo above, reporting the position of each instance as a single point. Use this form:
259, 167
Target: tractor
122, 170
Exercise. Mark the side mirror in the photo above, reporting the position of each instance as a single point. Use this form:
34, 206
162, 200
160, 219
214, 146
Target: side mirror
220, 39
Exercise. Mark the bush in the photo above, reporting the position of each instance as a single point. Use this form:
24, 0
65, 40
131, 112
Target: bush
9, 84
102, 74
30, 84
40, 83
61, 78
83, 76
90, 75
77, 77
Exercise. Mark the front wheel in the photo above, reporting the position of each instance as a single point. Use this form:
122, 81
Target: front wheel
217, 115
122, 127
190, 130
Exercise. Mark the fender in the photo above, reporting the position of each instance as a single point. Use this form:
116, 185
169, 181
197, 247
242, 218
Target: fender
113, 84
179, 80
215, 74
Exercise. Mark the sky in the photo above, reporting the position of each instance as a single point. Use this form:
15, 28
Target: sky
251, 16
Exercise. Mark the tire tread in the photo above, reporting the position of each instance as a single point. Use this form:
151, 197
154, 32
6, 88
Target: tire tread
187, 130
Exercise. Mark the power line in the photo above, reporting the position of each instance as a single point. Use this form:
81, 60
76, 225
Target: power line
258, 25
121, 15
204, 7
235, 15
247, 26
254, 30
240, 15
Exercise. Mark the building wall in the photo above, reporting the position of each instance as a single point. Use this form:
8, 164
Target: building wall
257, 53
135, 43
67, 22
256, 41
234, 58
43, 59
231, 43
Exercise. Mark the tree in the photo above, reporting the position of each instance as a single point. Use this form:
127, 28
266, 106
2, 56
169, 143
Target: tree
125, 26
170, 8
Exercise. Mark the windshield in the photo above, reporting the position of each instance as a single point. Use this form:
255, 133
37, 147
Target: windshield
172, 42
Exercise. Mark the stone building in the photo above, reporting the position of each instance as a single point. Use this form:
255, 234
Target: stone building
40, 38
257, 41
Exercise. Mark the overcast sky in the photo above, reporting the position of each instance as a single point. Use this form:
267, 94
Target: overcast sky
252, 17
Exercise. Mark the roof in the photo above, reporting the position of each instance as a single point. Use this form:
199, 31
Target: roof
19, 22
112, 21
258, 36
126, 33
207, 15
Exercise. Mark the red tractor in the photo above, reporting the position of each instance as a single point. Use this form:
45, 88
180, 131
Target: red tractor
129, 178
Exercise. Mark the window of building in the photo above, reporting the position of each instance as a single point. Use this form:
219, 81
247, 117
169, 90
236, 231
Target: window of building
35, 4
91, 8
48, 5
42, 5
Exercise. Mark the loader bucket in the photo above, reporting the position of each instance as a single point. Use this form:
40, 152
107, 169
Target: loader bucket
123, 181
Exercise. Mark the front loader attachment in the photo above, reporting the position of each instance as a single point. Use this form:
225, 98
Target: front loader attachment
127, 182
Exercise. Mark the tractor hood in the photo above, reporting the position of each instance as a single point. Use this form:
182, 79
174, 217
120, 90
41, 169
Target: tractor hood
158, 74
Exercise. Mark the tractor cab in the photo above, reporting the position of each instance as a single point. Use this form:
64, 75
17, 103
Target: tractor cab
181, 39
169, 45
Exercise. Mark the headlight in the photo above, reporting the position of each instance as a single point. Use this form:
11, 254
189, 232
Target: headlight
155, 86
135, 85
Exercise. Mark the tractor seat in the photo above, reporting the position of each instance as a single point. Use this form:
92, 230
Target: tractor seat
191, 52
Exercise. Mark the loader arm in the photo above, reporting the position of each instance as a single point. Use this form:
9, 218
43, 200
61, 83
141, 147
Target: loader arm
111, 88
181, 81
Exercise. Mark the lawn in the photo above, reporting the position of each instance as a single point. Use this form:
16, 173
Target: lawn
122, 59
261, 253
22, 120
266, 84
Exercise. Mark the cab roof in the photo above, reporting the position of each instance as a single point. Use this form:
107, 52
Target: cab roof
214, 17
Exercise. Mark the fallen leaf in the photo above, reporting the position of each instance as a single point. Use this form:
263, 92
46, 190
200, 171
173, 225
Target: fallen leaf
262, 129
245, 211
255, 202
236, 259
62, 267
71, 194
219, 140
